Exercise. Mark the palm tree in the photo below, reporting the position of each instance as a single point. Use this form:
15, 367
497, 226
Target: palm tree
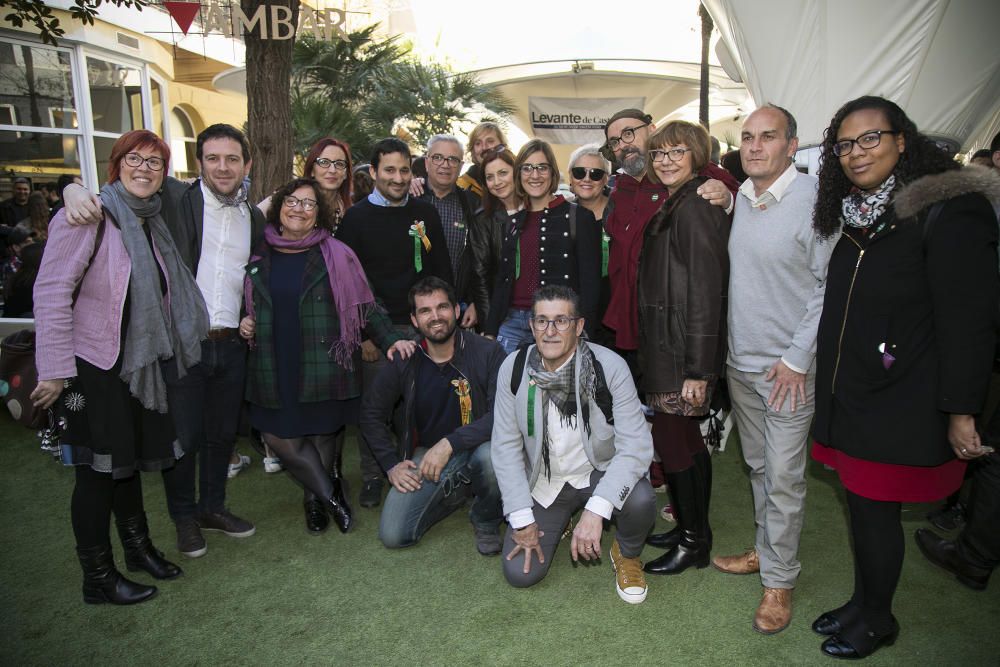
361, 90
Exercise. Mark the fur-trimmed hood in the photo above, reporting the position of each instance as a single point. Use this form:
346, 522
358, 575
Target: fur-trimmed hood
929, 190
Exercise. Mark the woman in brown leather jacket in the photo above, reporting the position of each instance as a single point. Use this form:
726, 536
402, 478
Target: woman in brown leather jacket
683, 277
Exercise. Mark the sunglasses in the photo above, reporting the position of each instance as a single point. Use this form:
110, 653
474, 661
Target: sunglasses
579, 173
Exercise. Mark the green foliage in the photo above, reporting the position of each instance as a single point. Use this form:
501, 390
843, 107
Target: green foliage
363, 89
39, 14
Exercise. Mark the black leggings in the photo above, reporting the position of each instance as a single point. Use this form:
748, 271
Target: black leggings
95, 496
677, 439
309, 459
878, 544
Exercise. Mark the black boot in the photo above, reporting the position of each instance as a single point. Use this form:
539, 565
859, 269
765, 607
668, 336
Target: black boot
689, 504
317, 520
140, 554
703, 464
340, 485
667, 540
341, 514
103, 583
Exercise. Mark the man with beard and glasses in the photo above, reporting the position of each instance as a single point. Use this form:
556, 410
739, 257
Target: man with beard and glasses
215, 229
634, 201
447, 391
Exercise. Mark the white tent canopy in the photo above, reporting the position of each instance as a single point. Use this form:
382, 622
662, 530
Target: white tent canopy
938, 59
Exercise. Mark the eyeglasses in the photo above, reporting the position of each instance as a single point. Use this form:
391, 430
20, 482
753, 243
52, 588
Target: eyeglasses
291, 201
136, 160
627, 137
561, 323
579, 173
452, 161
326, 163
674, 154
867, 141
542, 168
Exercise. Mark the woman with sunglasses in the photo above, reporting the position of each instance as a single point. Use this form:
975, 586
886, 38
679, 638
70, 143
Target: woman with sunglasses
588, 180
328, 162
116, 306
683, 280
309, 307
905, 343
553, 243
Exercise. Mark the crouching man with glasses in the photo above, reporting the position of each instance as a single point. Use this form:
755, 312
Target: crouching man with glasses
569, 434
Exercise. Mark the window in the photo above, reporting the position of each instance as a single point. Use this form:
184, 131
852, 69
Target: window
183, 143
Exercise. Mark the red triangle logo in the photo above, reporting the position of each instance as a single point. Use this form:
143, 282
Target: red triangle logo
183, 13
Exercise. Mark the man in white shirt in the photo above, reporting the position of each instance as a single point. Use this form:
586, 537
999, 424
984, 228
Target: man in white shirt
776, 288
569, 434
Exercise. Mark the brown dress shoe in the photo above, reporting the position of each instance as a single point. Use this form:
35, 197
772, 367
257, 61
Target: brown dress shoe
775, 611
745, 563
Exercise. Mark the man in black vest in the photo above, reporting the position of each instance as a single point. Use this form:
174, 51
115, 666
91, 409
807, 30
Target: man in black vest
215, 229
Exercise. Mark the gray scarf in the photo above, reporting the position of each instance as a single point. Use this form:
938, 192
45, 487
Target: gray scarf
559, 388
157, 328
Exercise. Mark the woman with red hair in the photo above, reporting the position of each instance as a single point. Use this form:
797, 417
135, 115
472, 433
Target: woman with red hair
115, 302
328, 162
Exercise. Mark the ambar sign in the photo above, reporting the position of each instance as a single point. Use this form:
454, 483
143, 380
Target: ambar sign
267, 21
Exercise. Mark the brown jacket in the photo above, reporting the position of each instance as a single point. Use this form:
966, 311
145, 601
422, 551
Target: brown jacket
683, 279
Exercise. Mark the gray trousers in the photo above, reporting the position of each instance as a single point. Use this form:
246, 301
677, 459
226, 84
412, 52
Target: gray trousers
775, 447
634, 521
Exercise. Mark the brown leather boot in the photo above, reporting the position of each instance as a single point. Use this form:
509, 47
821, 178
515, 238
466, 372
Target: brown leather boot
775, 611
745, 563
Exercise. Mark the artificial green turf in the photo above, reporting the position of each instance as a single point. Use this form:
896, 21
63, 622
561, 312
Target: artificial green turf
283, 597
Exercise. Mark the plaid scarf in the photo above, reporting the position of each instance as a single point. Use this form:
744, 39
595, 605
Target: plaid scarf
559, 388
236, 198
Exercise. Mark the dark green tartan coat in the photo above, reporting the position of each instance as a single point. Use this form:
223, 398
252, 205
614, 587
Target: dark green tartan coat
321, 378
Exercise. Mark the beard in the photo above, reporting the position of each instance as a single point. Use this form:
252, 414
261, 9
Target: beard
441, 337
633, 162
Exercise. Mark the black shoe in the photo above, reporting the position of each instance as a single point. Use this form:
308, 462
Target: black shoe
226, 522
857, 642
341, 514
190, 541
140, 554
944, 554
317, 520
371, 493
340, 491
667, 540
834, 621
103, 583
948, 518
686, 554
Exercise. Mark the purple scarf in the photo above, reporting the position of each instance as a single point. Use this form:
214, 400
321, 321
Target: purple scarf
351, 293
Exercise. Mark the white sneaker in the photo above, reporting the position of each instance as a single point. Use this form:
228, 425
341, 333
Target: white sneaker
272, 464
236, 468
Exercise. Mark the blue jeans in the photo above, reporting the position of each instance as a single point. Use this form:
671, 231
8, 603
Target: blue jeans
205, 406
406, 517
514, 330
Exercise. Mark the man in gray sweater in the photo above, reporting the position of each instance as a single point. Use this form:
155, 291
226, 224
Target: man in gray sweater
776, 286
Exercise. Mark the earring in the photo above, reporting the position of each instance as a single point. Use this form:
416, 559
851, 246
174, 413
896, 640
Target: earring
281, 229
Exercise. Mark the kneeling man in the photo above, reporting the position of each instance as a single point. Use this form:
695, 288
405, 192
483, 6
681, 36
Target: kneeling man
447, 390
569, 433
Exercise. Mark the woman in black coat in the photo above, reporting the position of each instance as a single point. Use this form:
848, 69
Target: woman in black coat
905, 343
683, 280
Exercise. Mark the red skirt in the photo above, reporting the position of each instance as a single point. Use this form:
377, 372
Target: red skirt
890, 482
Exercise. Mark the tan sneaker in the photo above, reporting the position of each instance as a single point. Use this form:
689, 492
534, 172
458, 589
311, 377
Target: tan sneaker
775, 611
631, 582
745, 563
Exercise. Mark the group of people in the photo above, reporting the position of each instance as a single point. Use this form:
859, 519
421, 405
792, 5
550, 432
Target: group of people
497, 342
